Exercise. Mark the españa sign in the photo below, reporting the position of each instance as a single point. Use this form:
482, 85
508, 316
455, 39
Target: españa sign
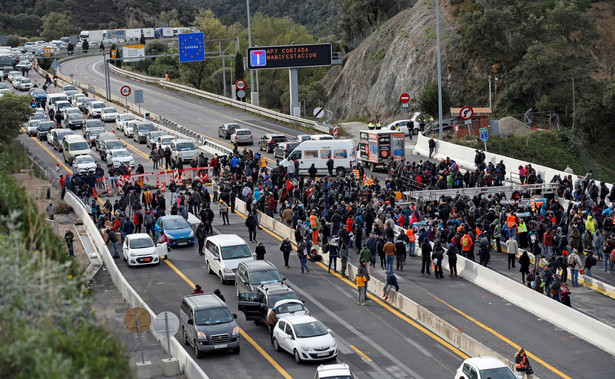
191, 47
291, 56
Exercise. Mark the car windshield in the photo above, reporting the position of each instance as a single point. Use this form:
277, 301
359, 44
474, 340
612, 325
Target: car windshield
38, 92
63, 105
497, 373
37, 116
33, 123
121, 153
166, 141
114, 144
94, 124
62, 133
232, 127
235, 252
291, 146
82, 159
176, 223
270, 276
213, 316
109, 110
141, 243
46, 125
95, 132
75, 116
243, 132
79, 146
290, 308
127, 117
274, 298
156, 134
146, 128
98, 105
69, 88
185, 146
310, 329
279, 138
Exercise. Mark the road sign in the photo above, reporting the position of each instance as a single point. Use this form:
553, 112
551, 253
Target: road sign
240, 84
166, 321
138, 96
47, 51
113, 53
191, 47
241, 94
125, 91
466, 113
137, 320
484, 134
289, 56
404, 98
319, 112
55, 64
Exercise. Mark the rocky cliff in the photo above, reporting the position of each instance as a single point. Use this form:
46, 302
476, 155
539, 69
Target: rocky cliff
400, 56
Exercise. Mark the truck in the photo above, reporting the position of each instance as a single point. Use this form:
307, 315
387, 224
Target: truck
133, 34
380, 148
92, 36
148, 32
163, 32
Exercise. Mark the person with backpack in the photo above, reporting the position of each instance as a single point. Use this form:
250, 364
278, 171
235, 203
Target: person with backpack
484, 255
574, 264
400, 253
522, 364
466, 244
451, 253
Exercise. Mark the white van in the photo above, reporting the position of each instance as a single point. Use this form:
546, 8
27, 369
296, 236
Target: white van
74, 145
223, 253
318, 153
52, 98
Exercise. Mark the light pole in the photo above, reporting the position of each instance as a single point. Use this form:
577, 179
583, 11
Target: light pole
441, 135
253, 93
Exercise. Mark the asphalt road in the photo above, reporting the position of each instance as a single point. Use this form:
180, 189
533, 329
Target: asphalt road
385, 344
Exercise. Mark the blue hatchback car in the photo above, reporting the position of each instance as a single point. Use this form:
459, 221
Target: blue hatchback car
177, 230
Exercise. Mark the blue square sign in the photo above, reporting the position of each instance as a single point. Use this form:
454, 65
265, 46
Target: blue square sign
258, 58
191, 47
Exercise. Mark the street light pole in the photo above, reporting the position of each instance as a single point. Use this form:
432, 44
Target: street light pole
253, 92
441, 135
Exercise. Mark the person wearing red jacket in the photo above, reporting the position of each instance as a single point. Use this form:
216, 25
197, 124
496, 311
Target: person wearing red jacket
137, 219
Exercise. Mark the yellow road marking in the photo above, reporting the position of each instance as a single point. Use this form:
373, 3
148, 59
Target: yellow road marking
49, 152
501, 337
362, 354
245, 335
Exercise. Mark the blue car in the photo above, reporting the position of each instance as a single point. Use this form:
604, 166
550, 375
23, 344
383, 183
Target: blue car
39, 95
177, 230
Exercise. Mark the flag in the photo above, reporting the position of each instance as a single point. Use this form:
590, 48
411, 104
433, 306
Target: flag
140, 182
368, 181
357, 175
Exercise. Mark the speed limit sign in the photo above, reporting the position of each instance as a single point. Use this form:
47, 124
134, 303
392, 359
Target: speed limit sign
240, 84
125, 91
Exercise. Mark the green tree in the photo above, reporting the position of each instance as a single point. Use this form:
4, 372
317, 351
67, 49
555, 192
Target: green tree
239, 71
428, 99
156, 48
358, 16
15, 110
56, 25
485, 31
13, 41
171, 18
575, 26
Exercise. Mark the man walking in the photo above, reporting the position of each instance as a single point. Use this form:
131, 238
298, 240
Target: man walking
513, 249
332, 249
425, 256
286, 248
361, 281
224, 212
200, 236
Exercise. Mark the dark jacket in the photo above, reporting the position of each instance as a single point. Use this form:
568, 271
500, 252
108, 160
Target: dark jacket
392, 279
260, 252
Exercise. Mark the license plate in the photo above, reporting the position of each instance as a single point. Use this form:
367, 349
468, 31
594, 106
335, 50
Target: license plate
183, 243
147, 259
322, 354
220, 346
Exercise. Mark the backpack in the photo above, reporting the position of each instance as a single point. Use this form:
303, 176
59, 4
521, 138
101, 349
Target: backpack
484, 242
570, 260
465, 241
594, 260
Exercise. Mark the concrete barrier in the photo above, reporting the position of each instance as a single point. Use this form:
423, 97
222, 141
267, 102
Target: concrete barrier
187, 364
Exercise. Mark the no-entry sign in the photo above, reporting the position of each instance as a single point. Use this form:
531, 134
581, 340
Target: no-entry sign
404, 98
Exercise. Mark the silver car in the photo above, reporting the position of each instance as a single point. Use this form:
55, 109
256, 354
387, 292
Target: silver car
242, 136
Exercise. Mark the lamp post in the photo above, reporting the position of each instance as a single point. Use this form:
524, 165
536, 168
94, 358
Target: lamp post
441, 135
254, 92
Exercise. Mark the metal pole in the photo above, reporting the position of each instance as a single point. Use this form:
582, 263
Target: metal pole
140, 339
166, 329
223, 67
574, 105
441, 135
490, 108
250, 45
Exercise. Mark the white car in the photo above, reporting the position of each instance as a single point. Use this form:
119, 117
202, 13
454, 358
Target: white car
25, 64
139, 249
119, 156
16, 81
108, 114
32, 127
95, 107
240, 136
71, 110
25, 84
129, 128
83, 164
123, 117
289, 308
75, 97
482, 368
164, 141
305, 338
150, 141
333, 371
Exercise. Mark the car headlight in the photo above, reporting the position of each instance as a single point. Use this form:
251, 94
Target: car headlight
170, 237
305, 348
228, 270
236, 331
201, 335
132, 254
191, 235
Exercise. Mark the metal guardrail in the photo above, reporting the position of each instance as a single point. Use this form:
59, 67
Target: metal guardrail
428, 195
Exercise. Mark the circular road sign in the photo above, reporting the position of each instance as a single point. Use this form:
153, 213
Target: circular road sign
130, 320
404, 98
125, 91
319, 112
466, 113
241, 94
240, 84
171, 323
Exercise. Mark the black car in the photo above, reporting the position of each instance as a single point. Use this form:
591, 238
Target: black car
447, 126
73, 121
255, 305
269, 141
283, 149
43, 129
226, 130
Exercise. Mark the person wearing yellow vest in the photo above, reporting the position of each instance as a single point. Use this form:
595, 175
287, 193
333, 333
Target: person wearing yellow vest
590, 224
263, 162
314, 225
523, 235
411, 241
371, 125
147, 198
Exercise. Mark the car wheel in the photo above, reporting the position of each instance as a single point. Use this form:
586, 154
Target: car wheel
209, 270
197, 352
297, 356
186, 342
341, 172
222, 281
276, 345
236, 350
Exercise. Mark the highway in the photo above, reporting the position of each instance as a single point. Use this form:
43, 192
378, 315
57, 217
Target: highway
373, 340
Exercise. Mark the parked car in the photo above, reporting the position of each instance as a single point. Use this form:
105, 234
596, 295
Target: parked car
400, 126
150, 141
83, 103
43, 129
283, 149
255, 305
182, 150
91, 135
119, 156
447, 126
25, 84
31, 127
74, 100
121, 118
164, 141
306, 338
108, 114
177, 230
226, 130
58, 136
333, 371
108, 145
73, 121
83, 164
95, 107
482, 368
252, 274
129, 128
141, 130
269, 141
139, 249
242, 136
223, 253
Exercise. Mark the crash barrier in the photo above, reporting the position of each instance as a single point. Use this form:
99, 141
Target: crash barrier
187, 364
434, 195
224, 100
113, 185
412, 309
560, 315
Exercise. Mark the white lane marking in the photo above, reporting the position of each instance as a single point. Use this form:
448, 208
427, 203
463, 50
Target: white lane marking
418, 347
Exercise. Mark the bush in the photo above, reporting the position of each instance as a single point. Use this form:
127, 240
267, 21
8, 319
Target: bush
13, 41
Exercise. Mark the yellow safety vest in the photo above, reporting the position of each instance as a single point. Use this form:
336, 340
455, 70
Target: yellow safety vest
522, 227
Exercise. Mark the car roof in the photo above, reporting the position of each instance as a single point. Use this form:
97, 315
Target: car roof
173, 217
483, 363
114, 151
242, 130
259, 265
299, 319
230, 124
287, 301
333, 370
274, 288
227, 240
138, 236
205, 300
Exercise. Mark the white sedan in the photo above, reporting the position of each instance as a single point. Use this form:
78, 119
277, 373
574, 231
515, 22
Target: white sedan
83, 164
119, 156
305, 338
139, 249
122, 118
484, 367
108, 114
